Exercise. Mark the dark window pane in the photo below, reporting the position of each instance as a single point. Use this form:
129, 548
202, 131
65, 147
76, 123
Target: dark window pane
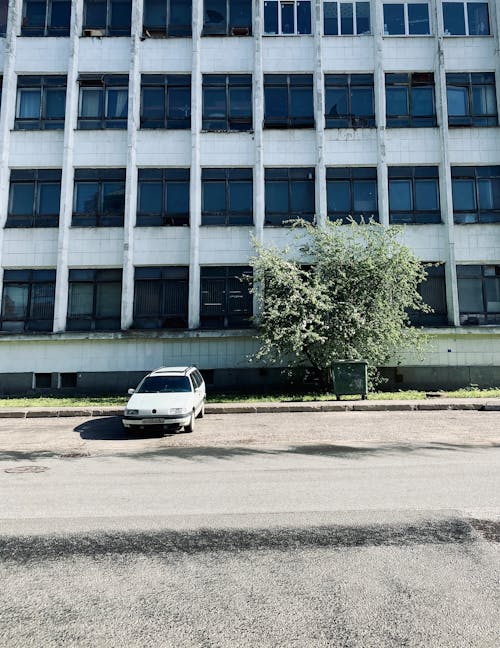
240, 196
178, 198
151, 197
397, 101
91, 102
153, 103
422, 102
95, 14
240, 14
87, 196
113, 197
277, 197
55, 103
276, 102
15, 302
394, 19
120, 14
287, 18
214, 197
215, 14
336, 102
362, 102
303, 17
21, 198
339, 196
453, 18
240, 102
270, 17
365, 197
301, 102
179, 103
49, 199
464, 195
470, 295
426, 195
180, 17
117, 102
489, 193
457, 101
330, 18
35, 15
346, 18
484, 100
362, 17
302, 197
479, 24
214, 103
108, 300
155, 13
400, 195
29, 103
418, 19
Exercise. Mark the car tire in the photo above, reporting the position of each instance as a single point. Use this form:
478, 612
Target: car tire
201, 413
190, 426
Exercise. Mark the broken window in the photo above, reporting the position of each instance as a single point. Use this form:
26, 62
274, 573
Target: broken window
352, 193
479, 294
349, 101
161, 296
107, 17
288, 101
41, 102
227, 18
406, 19
103, 101
166, 101
287, 17
163, 197
167, 18
28, 300
227, 102
46, 18
227, 196
94, 300
99, 198
476, 194
433, 292
226, 300
34, 198
410, 100
472, 99
414, 195
346, 18
290, 195
466, 18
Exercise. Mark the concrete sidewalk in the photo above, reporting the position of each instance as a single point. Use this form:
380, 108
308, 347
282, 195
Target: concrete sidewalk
429, 404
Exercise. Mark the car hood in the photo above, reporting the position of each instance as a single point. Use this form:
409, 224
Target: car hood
145, 403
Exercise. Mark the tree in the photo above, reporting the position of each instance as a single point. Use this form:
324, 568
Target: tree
348, 297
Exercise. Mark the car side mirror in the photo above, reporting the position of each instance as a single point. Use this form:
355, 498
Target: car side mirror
131, 391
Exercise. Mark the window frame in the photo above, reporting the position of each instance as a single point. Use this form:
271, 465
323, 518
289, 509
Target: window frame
229, 28
47, 29
105, 83
29, 278
350, 120
169, 83
406, 18
165, 176
168, 30
338, 17
225, 83
413, 174
288, 82
414, 80
227, 317
93, 321
106, 29
483, 273
351, 175
166, 276
465, 4
467, 80
98, 217
38, 178
43, 84
476, 174
288, 174
228, 216
279, 8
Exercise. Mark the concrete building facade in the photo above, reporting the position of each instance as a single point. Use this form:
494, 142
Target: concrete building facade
144, 145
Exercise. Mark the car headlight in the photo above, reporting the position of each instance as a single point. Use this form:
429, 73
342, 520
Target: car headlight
175, 410
131, 412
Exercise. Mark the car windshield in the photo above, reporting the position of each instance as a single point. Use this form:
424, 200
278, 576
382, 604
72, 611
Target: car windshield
164, 384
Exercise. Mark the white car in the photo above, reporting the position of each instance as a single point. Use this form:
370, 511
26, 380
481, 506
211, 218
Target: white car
169, 396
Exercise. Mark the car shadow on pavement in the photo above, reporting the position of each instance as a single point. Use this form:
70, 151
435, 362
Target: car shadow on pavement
110, 428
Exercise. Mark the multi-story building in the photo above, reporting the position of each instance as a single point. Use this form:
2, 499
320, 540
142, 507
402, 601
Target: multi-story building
144, 144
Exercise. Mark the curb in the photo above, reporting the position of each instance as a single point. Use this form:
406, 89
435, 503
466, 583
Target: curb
492, 405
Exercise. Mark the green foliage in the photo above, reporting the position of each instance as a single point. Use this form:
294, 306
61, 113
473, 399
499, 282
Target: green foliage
349, 302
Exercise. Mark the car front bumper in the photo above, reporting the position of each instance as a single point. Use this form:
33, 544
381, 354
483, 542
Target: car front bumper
167, 419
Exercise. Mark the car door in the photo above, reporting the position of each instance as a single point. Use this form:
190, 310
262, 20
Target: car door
198, 396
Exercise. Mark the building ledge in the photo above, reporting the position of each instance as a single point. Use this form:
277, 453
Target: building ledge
131, 334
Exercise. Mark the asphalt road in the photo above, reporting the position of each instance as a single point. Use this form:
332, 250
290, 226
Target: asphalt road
356, 529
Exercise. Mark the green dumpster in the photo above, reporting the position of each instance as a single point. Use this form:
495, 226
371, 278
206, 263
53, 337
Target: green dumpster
350, 377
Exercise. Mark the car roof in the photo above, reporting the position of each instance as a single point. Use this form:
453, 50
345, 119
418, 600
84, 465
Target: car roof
171, 371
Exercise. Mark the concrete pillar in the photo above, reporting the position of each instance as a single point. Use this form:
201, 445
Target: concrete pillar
380, 117
195, 178
446, 197
258, 123
319, 114
66, 207
7, 114
133, 125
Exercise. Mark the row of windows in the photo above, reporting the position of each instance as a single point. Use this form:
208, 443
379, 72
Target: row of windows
227, 196
161, 295
227, 101
172, 18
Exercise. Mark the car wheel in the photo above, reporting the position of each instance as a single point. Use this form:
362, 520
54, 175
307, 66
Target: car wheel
190, 426
201, 413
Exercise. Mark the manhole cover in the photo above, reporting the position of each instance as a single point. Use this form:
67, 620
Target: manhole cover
73, 455
26, 469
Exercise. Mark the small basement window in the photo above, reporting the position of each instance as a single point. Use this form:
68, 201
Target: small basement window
43, 381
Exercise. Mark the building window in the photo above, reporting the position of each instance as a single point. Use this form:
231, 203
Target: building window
227, 18
288, 101
227, 197
414, 195
94, 300
167, 18
287, 17
166, 101
227, 102
107, 17
99, 198
4, 13
163, 197
352, 193
103, 101
410, 100
161, 297
479, 294
41, 102
406, 19
34, 198
46, 18
469, 18
346, 18
476, 194
290, 195
433, 293
28, 300
226, 300
349, 101
472, 99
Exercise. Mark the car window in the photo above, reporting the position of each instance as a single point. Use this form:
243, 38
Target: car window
164, 384
199, 377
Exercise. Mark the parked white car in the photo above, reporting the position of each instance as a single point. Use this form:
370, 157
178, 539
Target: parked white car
169, 396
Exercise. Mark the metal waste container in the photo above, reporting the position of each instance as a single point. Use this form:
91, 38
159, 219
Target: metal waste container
350, 377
